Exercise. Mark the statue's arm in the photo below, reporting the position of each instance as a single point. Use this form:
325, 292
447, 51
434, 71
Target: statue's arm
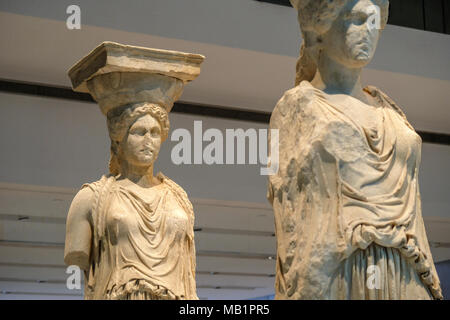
79, 230
286, 118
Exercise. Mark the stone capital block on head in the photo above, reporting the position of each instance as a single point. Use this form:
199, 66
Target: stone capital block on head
116, 74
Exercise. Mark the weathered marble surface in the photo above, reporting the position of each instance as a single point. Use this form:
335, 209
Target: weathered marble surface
346, 196
111, 56
132, 232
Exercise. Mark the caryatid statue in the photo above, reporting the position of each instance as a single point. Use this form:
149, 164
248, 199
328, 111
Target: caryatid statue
132, 231
346, 197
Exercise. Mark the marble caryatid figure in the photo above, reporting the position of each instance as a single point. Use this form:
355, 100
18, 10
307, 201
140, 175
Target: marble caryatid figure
346, 196
132, 231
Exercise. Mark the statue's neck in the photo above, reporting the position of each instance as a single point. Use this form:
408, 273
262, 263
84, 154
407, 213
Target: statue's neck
139, 175
334, 78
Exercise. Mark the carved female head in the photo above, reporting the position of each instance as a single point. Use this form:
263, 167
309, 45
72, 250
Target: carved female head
136, 133
347, 31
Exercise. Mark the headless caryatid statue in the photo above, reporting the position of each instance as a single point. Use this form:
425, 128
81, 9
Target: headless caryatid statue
132, 231
346, 196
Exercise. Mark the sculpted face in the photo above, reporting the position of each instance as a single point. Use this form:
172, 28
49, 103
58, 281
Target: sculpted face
353, 38
142, 143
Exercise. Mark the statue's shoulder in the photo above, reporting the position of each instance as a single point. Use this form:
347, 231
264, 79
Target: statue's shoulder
97, 185
88, 191
181, 197
177, 190
385, 100
294, 104
85, 200
95, 191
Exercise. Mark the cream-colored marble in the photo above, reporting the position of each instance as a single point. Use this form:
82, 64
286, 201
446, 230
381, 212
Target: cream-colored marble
346, 197
132, 232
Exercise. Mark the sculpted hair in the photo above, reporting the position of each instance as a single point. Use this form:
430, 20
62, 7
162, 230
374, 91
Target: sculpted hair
316, 18
120, 120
